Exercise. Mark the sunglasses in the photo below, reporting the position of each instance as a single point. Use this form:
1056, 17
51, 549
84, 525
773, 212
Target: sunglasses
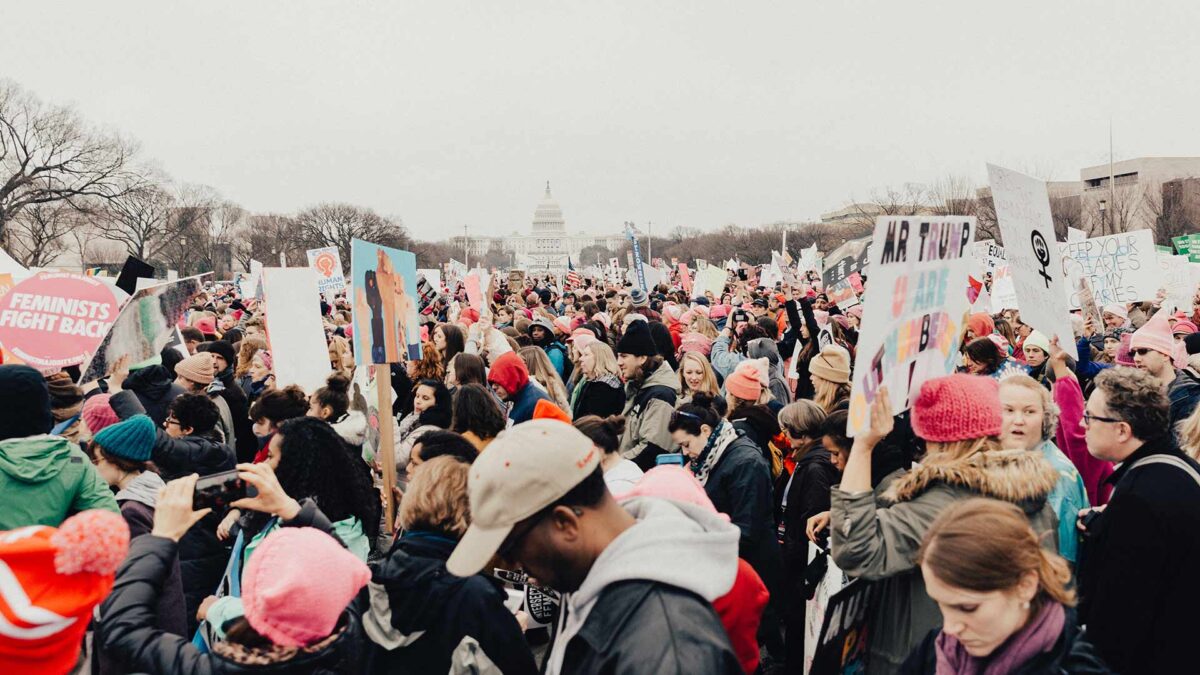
1140, 351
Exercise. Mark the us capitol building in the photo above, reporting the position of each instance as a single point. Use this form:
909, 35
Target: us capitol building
548, 245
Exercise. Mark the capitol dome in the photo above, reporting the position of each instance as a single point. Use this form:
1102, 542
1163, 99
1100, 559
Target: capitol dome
548, 217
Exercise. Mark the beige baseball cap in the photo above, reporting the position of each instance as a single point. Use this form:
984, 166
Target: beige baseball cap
524, 470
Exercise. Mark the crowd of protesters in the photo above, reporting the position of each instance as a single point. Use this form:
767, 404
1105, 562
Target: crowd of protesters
605, 479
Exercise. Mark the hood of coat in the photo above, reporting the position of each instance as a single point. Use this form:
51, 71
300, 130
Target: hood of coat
509, 371
34, 459
152, 381
662, 376
143, 489
352, 427
1021, 477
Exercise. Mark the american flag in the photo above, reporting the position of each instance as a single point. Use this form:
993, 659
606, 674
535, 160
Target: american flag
573, 279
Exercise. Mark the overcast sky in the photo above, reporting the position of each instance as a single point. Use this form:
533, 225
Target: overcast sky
682, 113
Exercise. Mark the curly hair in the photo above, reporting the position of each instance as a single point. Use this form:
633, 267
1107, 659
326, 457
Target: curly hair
1137, 398
430, 367
197, 412
475, 410
316, 463
278, 405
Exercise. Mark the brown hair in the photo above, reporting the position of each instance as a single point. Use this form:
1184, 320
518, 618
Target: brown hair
436, 498
430, 367
250, 346
958, 552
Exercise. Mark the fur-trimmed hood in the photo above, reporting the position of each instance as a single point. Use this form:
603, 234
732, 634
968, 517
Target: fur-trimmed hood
1021, 477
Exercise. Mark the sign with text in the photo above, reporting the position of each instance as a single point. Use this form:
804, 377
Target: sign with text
1121, 268
327, 263
912, 318
1023, 211
56, 319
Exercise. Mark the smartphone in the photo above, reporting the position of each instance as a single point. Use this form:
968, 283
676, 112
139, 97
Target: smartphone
675, 458
220, 490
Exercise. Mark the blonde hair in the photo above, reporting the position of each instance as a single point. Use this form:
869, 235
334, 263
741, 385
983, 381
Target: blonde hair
436, 498
1189, 434
708, 384
704, 326
948, 453
540, 368
960, 556
605, 360
1049, 408
828, 394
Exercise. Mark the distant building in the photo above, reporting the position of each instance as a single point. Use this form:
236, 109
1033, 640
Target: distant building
1134, 198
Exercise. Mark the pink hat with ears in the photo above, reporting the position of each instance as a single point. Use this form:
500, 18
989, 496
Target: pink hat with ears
674, 483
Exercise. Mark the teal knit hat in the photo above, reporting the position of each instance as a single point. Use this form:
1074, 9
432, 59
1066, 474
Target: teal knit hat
131, 439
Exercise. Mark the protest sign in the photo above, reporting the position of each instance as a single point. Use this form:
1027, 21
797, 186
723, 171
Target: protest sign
1177, 281
10, 266
1023, 211
1004, 292
1193, 247
131, 271
842, 293
1121, 268
709, 280
685, 278
516, 281
845, 260
1181, 244
614, 271
845, 630
56, 319
385, 304
1074, 234
810, 259
1087, 302
293, 319
144, 326
434, 277
327, 263
989, 254
912, 319
816, 607
251, 285
474, 292
635, 257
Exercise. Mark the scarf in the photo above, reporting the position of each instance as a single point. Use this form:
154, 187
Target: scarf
718, 441
1038, 636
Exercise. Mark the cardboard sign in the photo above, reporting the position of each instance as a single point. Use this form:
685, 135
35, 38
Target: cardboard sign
1023, 211
145, 325
1121, 268
845, 631
1087, 303
294, 325
56, 319
912, 318
810, 259
386, 326
327, 263
1004, 292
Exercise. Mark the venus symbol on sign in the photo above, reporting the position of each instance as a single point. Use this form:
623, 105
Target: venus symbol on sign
1042, 252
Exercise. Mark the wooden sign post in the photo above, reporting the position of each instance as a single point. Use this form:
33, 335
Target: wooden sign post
387, 442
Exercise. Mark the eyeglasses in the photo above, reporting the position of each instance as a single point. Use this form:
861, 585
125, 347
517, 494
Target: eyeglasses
171, 420
1089, 418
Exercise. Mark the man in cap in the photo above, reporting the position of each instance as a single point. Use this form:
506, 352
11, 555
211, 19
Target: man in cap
539, 503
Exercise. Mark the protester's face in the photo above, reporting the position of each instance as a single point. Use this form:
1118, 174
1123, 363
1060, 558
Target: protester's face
500, 391
1110, 346
219, 363
451, 377
226, 323
439, 339
973, 367
423, 398
108, 471
173, 428
836, 454
275, 451
629, 365
1034, 356
258, 371
1105, 440
1151, 361
1021, 415
587, 361
503, 315
981, 620
1112, 321
690, 445
693, 375
317, 410
191, 346
551, 548
1179, 337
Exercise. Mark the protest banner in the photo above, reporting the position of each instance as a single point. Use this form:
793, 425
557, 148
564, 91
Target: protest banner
845, 630
294, 327
635, 257
131, 271
327, 263
1074, 234
144, 326
846, 259
56, 319
912, 319
1177, 281
1023, 212
685, 278
1004, 293
1121, 268
516, 281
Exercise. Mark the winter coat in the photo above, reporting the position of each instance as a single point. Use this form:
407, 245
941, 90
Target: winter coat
880, 543
524, 401
806, 494
244, 441
1071, 654
724, 361
352, 427
788, 344
633, 614
419, 618
648, 409
1183, 394
739, 486
1071, 438
557, 353
155, 389
1067, 499
44, 479
1137, 583
602, 396
126, 629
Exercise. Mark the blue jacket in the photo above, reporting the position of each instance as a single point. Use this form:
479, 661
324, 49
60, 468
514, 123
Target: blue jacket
524, 401
1067, 498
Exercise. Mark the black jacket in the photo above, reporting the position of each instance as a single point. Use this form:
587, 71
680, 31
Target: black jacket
1071, 654
126, 627
155, 389
650, 627
418, 616
740, 487
239, 409
599, 397
1137, 582
807, 495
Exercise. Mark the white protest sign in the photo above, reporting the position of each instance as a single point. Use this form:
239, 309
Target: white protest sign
989, 254
1177, 280
810, 259
327, 263
1004, 293
294, 325
1023, 211
1121, 268
1075, 234
912, 318
434, 277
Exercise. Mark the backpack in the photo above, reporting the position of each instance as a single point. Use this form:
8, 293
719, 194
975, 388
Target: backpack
568, 367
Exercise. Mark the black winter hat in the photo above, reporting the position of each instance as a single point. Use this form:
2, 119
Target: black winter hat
24, 403
224, 350
1192, 343
637, 340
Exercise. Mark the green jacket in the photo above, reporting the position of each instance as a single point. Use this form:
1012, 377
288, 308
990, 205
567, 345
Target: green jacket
44, 479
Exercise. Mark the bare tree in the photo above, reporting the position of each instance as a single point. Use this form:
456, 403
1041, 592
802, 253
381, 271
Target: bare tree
48, 154
39, 234
1126, 207
335, 224
263, 236
140, 219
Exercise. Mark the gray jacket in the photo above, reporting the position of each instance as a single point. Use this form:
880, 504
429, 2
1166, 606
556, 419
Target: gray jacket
879, 542
648, 410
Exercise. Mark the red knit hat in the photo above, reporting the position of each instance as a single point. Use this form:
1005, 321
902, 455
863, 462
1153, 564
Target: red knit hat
957, 408
58, 576
509, 371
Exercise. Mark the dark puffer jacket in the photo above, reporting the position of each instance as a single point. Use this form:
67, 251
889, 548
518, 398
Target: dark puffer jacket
155, 389
419, 618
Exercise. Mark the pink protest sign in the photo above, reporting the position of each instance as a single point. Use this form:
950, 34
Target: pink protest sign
474, 295
685, 278
56, 319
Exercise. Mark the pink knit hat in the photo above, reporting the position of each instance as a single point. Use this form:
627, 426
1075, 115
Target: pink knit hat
281, 599
1183, 327
97, 413
692, 341
672, 482
747, 381
1155, 335
1124, 358
957, 408
718, 312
